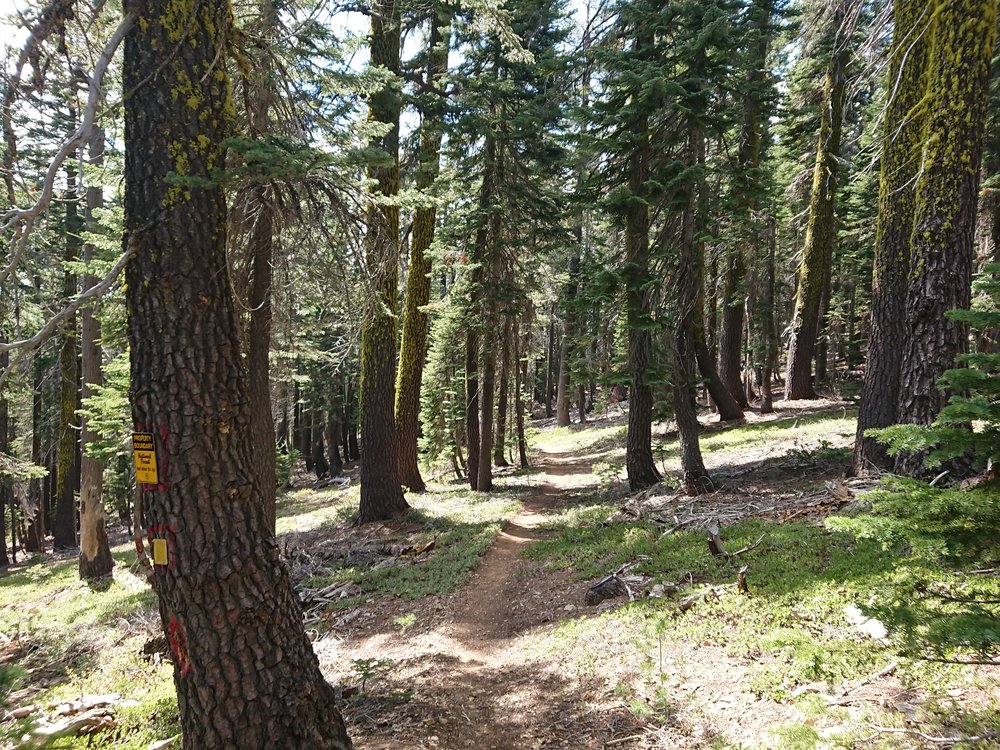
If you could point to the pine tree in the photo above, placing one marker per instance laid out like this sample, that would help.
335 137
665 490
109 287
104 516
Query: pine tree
961 43
900 166
244 670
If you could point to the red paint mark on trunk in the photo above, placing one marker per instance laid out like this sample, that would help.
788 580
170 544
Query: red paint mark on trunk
178 643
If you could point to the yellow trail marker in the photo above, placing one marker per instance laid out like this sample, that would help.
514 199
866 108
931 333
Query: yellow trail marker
160 552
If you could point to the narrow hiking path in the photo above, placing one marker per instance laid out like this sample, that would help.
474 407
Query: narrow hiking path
475 680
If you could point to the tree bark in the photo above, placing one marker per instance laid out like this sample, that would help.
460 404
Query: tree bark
5 493
416 325
748 181
521 370
36 493
817 252
562 387
945 208
472 405
244 670
259 340
486 403
900 164
690 285
549 369
503 397
639 464
64 526
381 492
95 554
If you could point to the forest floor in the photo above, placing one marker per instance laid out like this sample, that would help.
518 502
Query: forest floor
465 624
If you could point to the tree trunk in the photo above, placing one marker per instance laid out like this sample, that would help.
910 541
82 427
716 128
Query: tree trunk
486 404
562 388
244 670
320 465
381 492
900 164
332 434
945 208
503 398
5 493
416 325
639 464
768 351
521 370
352 447
36 493
549 369
817 252
259 341
690 283
95 554
472 405
64 526
306 434
748 182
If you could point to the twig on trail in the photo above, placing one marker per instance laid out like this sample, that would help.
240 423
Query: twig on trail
961 599
750 547
930 737
884 672
965 662
622 740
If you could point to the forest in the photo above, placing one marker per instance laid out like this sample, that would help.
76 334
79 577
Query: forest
500 374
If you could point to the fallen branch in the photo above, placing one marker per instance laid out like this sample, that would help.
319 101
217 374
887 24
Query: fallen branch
932 738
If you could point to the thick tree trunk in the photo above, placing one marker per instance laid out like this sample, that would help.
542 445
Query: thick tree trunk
503 398
244 670
381 492
95 554
817 252
945 208
64 526
900 163
413 347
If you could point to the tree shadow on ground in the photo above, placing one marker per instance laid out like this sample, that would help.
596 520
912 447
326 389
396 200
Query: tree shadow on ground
451 703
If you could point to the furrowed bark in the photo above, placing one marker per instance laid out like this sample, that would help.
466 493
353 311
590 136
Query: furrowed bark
416 325
381 493
900 164
244 670
817 252
945 208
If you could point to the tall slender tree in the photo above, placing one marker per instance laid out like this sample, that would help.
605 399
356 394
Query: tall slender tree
817 249
95 553
381 492
413 346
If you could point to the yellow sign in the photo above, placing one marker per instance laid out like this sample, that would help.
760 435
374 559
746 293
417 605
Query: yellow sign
160 552
144 453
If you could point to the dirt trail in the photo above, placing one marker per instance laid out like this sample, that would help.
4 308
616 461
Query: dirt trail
474 682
